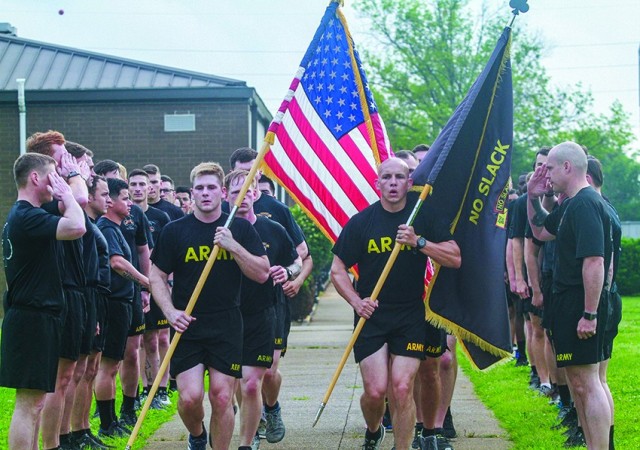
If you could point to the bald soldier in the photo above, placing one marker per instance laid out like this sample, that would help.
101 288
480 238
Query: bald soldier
391 344
582 229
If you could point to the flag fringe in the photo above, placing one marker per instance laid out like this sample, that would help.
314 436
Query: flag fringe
455 329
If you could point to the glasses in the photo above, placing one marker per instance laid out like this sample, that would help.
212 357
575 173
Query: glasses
166 191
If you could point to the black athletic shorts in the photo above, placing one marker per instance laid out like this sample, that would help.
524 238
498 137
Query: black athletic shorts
258 338
523 306
86 344
400 326
568 307
546 281
118 324
280 309
155 319
29 349
613 320
74 324
101 319
511 297
215 341
137 315
435 341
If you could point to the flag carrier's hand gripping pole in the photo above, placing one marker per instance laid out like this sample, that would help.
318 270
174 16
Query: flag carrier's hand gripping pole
374 296
194 296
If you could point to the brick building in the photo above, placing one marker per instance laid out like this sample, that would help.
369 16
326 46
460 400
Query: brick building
128 111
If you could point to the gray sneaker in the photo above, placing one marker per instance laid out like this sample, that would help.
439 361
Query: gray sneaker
428 443
443 443
255 444
275 426
374 444
262 426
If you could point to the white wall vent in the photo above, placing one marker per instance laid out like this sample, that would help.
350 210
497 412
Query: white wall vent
179 122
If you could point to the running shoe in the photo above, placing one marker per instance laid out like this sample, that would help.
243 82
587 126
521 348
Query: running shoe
198 443
448 430
275 426
374 444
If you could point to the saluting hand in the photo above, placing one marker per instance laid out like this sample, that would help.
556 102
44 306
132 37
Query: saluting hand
58 187
68 164
538 184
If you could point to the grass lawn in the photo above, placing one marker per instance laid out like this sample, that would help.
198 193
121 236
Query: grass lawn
528 418
153 420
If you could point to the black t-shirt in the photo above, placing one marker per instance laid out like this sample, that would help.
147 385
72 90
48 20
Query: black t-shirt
256 297
518 221
157 220
30 257
368 239
584 229
135 229
90 253
616 227
71 256
183 249
275 210
104 265
174 212
121 288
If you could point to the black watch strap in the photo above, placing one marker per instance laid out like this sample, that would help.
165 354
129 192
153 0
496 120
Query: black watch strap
289 273
421 243
72 174
589 316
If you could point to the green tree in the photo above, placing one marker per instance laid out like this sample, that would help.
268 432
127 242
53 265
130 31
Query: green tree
425 55
608 137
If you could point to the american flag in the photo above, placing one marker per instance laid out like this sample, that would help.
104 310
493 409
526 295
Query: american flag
328 136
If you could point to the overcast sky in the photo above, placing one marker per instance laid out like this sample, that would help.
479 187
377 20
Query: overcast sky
592 42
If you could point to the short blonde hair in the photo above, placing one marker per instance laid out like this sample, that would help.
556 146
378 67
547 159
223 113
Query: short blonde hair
238 174
207 168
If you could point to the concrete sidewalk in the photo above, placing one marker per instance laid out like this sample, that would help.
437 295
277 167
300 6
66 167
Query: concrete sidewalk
314 352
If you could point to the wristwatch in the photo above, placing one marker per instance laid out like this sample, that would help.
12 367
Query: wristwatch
289 273
589 316
421 243
72 174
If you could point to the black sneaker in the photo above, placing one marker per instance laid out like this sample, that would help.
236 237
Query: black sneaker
198 443
534 381
443 443
522 362
448 430
66 442
575 440
570 420
85 442
96 439
428 443
373 444
128 419
114 431
416 438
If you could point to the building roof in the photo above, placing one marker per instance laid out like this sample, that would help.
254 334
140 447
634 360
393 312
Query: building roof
48 67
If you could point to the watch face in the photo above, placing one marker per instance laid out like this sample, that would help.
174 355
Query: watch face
421 242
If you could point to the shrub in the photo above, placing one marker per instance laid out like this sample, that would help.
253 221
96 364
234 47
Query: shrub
628 276
320 249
